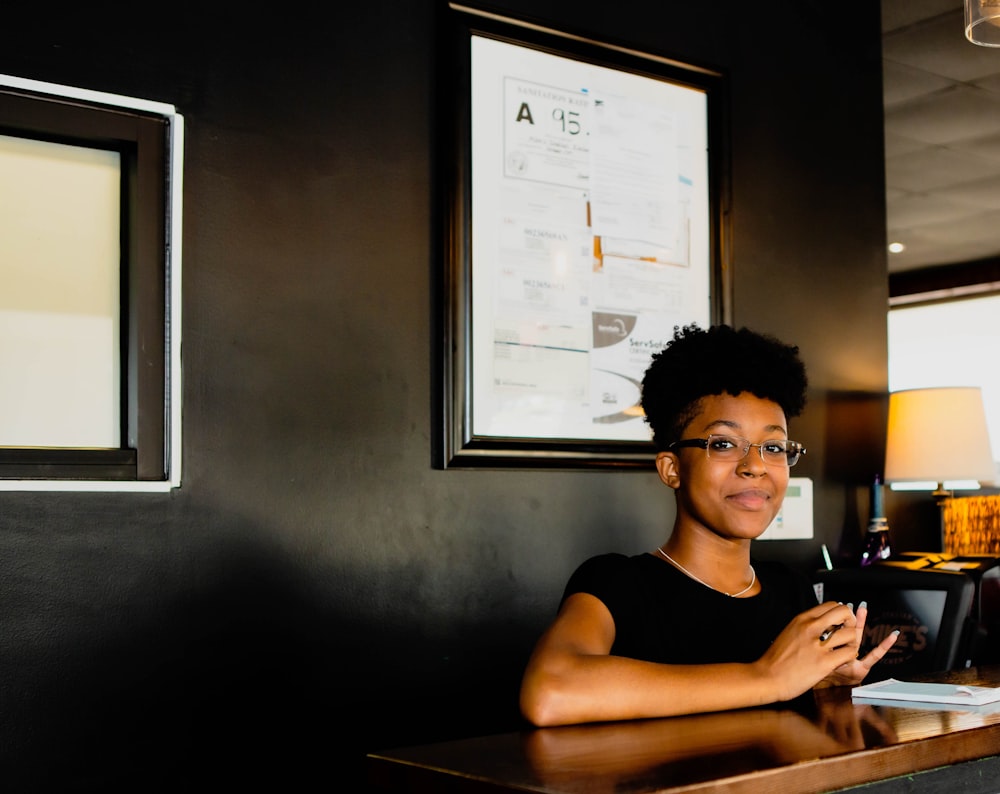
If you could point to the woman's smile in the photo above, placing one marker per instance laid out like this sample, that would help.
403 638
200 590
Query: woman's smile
751 499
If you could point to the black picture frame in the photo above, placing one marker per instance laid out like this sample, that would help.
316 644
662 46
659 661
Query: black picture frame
475 165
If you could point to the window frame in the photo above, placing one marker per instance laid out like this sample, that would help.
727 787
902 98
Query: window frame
149 136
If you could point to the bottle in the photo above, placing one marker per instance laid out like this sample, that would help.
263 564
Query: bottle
877 546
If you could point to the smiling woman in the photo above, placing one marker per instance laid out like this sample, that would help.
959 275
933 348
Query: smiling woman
639 636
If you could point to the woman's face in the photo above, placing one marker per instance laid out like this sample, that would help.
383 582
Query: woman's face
737 499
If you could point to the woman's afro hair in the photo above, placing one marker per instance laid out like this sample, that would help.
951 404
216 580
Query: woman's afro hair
698 363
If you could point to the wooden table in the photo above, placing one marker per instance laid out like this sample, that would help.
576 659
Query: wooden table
835 745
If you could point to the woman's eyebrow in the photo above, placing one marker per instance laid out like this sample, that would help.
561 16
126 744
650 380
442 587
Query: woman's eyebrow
729 423
725 423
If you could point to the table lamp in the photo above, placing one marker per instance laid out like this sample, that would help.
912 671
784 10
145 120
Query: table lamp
938 441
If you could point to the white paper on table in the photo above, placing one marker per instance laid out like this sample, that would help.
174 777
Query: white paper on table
916 692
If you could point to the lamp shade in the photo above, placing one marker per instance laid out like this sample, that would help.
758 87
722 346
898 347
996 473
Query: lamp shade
938 434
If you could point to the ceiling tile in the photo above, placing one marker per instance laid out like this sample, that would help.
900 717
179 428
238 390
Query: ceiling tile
938 46
900 144
956 114
936 167
919 209
988 148
901 83
990 82
982 194
902 13
929 250
942 136
967 230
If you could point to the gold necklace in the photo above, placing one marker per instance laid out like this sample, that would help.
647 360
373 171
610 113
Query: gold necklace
672 561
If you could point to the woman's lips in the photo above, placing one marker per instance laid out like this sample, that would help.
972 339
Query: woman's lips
751 499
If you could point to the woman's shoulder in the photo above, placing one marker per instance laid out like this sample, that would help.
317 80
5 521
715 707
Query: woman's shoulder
612 563
614 559
608 570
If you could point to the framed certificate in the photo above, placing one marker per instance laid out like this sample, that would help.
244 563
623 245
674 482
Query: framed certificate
582 219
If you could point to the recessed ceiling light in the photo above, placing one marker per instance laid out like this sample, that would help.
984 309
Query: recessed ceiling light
895 248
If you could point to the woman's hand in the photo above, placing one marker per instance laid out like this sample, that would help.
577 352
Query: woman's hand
854 671
813 647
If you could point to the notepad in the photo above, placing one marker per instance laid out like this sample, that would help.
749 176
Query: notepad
916 692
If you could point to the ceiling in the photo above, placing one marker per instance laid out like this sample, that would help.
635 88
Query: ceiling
942 136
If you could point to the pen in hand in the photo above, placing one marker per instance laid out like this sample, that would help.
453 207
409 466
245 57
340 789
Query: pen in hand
830 632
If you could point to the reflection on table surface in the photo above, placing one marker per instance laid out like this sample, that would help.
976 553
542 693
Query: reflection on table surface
686 750
662 754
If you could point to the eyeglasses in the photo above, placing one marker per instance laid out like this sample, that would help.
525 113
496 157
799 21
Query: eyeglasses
777 452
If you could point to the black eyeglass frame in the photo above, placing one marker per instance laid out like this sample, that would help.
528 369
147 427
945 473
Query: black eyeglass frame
792 454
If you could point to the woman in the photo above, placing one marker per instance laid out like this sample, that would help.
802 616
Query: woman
695 625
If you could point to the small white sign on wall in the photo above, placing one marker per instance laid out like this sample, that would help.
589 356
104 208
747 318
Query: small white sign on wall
795 519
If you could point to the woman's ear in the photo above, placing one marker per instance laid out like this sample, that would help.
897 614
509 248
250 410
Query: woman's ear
668 467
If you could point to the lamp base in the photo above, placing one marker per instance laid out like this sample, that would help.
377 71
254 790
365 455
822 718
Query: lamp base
941 493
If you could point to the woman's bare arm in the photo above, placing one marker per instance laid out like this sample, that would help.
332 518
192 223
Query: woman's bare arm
571 677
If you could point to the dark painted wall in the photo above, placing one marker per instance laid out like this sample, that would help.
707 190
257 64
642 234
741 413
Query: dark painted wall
314 574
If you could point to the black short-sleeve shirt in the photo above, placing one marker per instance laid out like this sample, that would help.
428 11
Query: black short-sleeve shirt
663 616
